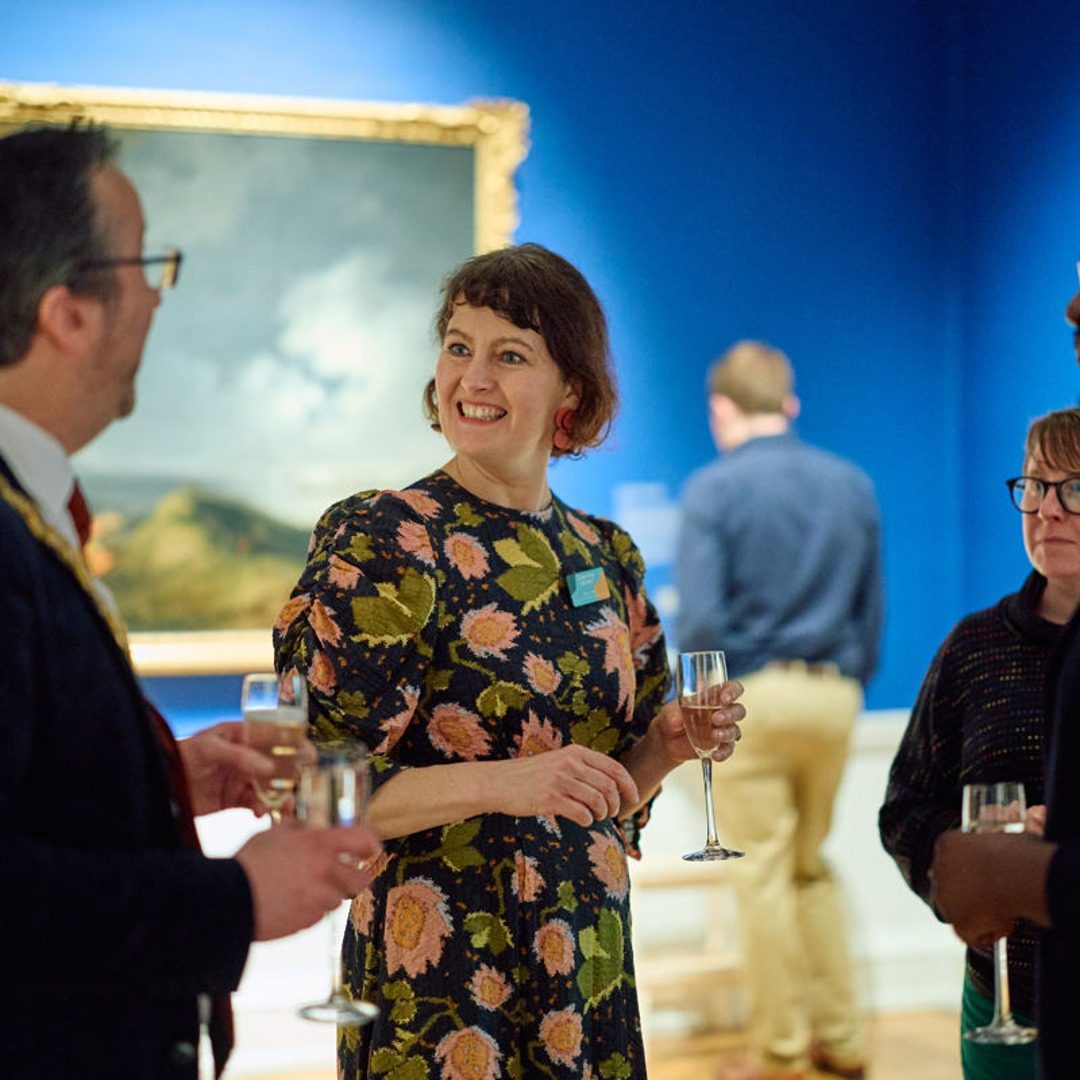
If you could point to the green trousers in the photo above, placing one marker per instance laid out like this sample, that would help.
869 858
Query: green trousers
982 1062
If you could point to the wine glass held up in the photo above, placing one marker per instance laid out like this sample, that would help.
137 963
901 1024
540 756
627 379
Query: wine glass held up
997 807
275 720
333 791
700 682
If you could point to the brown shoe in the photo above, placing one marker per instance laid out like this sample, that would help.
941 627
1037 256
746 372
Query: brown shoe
746 1069
824 1062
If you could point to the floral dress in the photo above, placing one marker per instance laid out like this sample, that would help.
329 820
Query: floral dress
437 628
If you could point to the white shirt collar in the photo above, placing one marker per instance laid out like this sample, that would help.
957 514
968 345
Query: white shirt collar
41 466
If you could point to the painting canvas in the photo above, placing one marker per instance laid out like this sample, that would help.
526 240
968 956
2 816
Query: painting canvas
286 369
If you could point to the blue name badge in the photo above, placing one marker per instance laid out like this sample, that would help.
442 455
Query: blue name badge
588 586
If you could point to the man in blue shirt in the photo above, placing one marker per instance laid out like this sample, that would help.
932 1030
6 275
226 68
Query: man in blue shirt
779 566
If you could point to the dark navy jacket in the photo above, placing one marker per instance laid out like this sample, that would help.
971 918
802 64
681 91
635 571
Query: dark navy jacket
108 926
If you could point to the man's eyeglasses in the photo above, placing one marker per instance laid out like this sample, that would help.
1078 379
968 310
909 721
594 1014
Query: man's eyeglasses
1028 493
163 276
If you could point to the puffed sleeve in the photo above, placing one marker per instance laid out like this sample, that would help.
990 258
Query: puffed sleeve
360 624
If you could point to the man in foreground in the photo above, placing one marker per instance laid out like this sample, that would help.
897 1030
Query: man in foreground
114 923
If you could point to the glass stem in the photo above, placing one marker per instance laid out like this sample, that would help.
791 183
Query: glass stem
336 929
1002 1006
706 775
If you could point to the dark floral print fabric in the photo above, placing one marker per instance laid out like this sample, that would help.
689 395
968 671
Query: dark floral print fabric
436 628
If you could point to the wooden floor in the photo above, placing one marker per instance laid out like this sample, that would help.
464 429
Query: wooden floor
905 1046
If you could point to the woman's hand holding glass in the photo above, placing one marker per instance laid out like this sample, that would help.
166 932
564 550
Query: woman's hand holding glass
723 721
703 690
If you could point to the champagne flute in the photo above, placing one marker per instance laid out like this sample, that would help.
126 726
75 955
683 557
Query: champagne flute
997 808
275 719
700 678
332 792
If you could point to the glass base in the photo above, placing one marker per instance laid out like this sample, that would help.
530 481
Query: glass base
1007 1034
711 853
340 1010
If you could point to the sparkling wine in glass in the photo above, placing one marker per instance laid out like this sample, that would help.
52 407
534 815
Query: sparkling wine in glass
275 721
997 808
700 679
333 791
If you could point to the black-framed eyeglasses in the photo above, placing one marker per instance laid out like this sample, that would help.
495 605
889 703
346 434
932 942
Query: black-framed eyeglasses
1028 493
164 277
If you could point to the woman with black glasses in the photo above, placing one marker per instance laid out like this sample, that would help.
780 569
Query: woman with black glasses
981 718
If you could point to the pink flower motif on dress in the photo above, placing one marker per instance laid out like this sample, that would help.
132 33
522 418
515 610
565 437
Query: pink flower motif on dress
458 733
643 634
468 1054
422 504
321 673
489 631
560 1032
541 674
292 610
321 620
583 529
537 737
527 880
609 864
554 947
610 629
393 726
360 912
413 538
342 574
488 987
467 554
417 925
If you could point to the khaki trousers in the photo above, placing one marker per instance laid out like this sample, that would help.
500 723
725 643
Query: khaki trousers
774 799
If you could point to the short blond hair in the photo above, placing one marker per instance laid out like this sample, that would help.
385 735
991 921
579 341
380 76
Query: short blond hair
757 377
1054 439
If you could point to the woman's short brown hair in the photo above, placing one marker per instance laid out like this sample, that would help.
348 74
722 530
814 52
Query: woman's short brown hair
1054 439
538 290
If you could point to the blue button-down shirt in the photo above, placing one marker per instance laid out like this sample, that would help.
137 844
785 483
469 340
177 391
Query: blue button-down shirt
779 559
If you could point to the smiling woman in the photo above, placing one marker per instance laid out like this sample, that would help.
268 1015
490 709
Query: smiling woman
517 722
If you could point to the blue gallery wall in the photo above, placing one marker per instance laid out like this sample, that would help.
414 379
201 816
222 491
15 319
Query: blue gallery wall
1021 243
788 170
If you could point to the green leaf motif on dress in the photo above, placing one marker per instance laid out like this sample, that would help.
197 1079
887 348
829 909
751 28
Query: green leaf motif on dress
413 1068
572 665
396 1066
615 1067
568 900
513 1066
398 613
456 849
602 947
487 931
466 515
534 574
500 698
359 547
596 732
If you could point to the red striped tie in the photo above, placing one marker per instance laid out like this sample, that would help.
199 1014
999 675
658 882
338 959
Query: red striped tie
80 514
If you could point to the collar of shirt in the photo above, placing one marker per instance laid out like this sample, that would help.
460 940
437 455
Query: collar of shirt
42 467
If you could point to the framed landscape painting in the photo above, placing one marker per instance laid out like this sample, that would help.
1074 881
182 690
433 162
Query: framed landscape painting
286 369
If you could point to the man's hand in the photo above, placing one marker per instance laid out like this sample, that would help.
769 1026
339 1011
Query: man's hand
221 770
297 875
984 882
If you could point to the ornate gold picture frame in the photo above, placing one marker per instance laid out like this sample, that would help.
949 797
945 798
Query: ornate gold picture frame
286 370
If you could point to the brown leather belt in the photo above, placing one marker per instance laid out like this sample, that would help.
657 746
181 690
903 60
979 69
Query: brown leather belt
824 667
